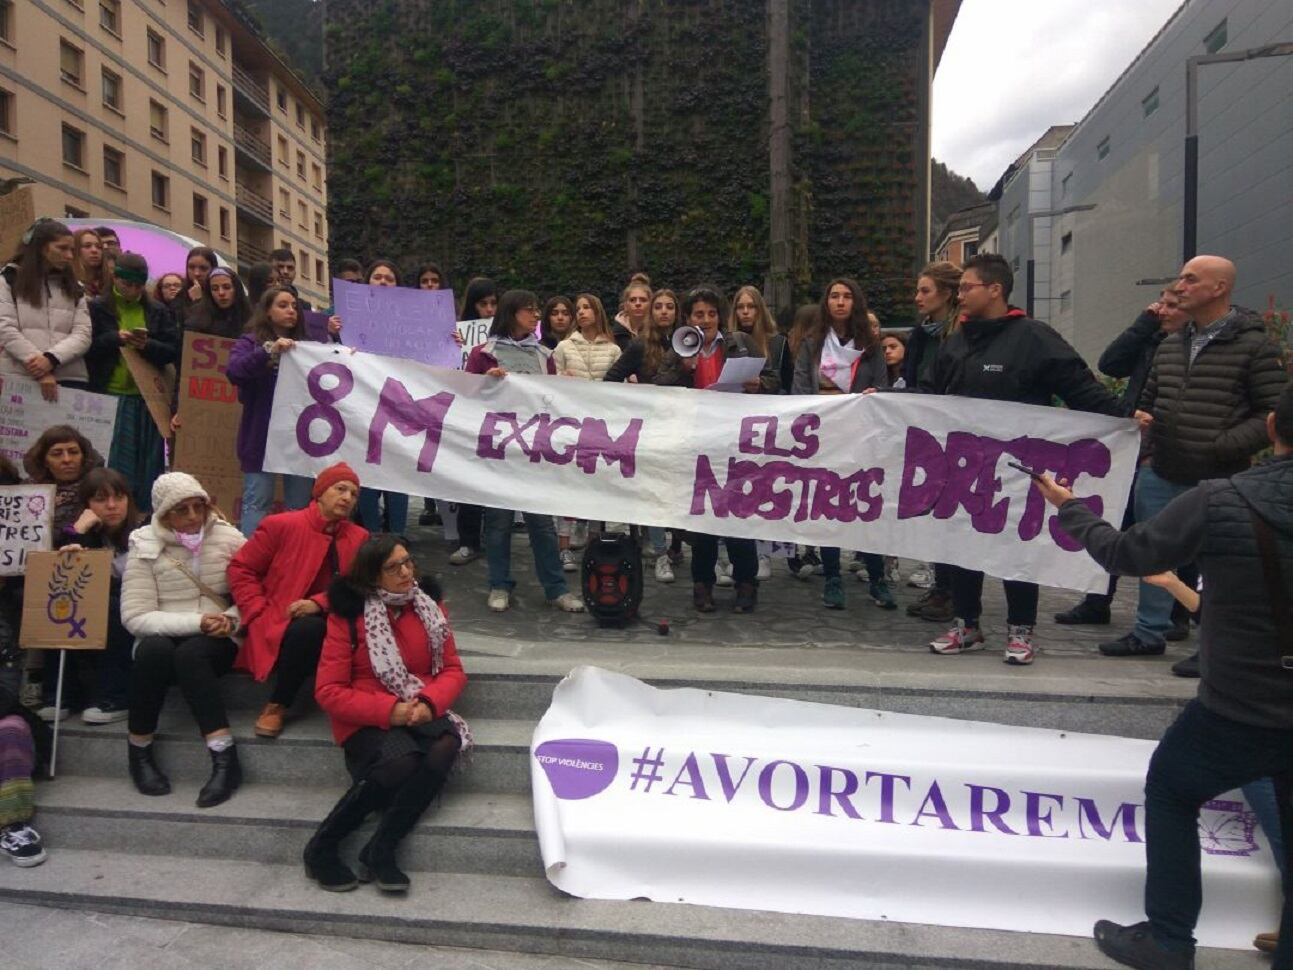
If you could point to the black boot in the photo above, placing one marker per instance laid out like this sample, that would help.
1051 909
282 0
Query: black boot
747 595
226 776
322 864
377 858
1093 611
148 778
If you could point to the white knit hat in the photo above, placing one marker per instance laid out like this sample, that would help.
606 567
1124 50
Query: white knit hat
173 488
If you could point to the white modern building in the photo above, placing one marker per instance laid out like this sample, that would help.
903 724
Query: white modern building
1097 207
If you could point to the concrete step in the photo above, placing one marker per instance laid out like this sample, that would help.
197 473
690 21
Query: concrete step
486 833
527 915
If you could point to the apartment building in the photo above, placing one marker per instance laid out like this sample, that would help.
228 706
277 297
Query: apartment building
173 112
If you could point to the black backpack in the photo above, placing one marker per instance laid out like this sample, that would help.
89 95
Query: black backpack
611 577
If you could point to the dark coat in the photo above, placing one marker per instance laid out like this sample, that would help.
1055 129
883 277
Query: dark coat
922 351
633 363
1017 359
871 370
1210 417
161 348
1239 650
1131 355
672 373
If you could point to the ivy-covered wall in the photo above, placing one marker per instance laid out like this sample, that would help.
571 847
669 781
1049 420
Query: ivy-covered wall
561 144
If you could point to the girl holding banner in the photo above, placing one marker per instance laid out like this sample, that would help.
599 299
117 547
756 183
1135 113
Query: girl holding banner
478 303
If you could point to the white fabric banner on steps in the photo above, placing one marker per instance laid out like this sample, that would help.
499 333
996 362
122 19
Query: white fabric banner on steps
900 474
763 803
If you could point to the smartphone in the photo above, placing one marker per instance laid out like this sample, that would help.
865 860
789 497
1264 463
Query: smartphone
1030 472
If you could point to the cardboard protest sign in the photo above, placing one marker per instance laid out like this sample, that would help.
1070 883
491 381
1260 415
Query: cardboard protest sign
17 212
24 414
206 442
474 333
398 322
65 600
26 520
155 386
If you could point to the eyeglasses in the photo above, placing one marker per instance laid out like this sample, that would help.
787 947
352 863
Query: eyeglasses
394 568
966 287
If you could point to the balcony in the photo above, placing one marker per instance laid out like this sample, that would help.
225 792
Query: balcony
254 205
249 92
253 146
249 252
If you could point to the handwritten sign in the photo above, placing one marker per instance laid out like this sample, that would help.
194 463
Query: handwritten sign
155 386
474 333
26 517
398 322
911 475
66 600
206 442
24 414
17 212
316 326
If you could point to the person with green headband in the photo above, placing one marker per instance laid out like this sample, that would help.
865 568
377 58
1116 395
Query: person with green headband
128 318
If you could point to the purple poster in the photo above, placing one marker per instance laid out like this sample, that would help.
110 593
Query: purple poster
398 322
316 326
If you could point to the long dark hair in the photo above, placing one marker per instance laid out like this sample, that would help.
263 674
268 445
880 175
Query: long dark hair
368 273
102 482
430 267
34 460
505 315
34 273
206 317
365 572
857 328
259 325
478 288
260 277
207 253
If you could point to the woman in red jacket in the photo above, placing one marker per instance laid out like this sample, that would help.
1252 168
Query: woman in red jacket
280 581
388 677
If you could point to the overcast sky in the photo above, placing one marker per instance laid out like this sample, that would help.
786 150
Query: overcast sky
1013 68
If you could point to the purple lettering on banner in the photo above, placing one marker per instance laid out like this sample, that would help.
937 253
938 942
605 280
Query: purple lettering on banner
978 814
935 806
886 793
548 449
485 446
758 436
1035 819
534 438
801 785
322 409
777 490
1085 456
693 779
595 442
922 456
396 406
826 792
973 483
730 788
577 767
1088 811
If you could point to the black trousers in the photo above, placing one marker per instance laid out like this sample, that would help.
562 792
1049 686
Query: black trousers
704 557
298 657
194 663
470 521
967 598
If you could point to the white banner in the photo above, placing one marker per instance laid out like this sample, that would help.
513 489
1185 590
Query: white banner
26 523
900 474
761 803
24 414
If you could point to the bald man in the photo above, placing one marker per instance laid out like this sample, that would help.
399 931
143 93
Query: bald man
1210 388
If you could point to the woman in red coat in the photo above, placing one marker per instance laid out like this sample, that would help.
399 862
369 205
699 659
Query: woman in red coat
280 581
388 677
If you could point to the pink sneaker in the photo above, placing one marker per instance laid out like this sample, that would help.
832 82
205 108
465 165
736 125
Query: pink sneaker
1019 646
959 639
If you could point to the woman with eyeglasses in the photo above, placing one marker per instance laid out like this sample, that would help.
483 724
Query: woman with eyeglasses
388 678
512 348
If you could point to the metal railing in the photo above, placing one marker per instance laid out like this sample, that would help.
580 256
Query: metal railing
249 87
254 202
252 144
249 252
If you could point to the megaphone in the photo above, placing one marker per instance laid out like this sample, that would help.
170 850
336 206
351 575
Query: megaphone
687 341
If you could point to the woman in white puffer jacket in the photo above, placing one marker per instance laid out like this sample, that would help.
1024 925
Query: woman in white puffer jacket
44 319
175 599
590 349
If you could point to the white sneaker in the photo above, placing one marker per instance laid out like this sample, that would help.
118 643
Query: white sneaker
578 534
22 844
664 570
892 574
922 577
723 574
567 603
765 567
568 564
49 714
464 555
856 565
499 600
104 714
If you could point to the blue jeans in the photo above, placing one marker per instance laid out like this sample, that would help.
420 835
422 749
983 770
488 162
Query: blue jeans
258 496
1154 613
543 543
658 538
831 564
370 513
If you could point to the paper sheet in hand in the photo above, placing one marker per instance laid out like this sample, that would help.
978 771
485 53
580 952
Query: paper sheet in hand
736 371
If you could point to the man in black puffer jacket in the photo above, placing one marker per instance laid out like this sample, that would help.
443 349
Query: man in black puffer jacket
1210 389
1240 728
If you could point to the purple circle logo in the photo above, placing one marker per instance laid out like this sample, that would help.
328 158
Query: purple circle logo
578 768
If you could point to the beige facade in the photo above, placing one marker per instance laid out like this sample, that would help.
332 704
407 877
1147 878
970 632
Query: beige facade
165 111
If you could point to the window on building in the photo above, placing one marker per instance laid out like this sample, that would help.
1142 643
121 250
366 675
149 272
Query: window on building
73 147
300 116
197 22
314 128
300 165
284 204
72 212
114 167
318 270
1102 149
222 161
1216 38
110 16
1066 301
1149 103
198 146
224 223
161 191
221 44
1064 185
222 100
282 151
6 21
199 210
969 249
302 214
6 112
1066 243
303 261
111 90
282 99
156 50
197 82
158 125
318 224
71 63
316 176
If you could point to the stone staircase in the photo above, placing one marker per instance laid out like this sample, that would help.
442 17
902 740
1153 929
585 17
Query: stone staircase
478 879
